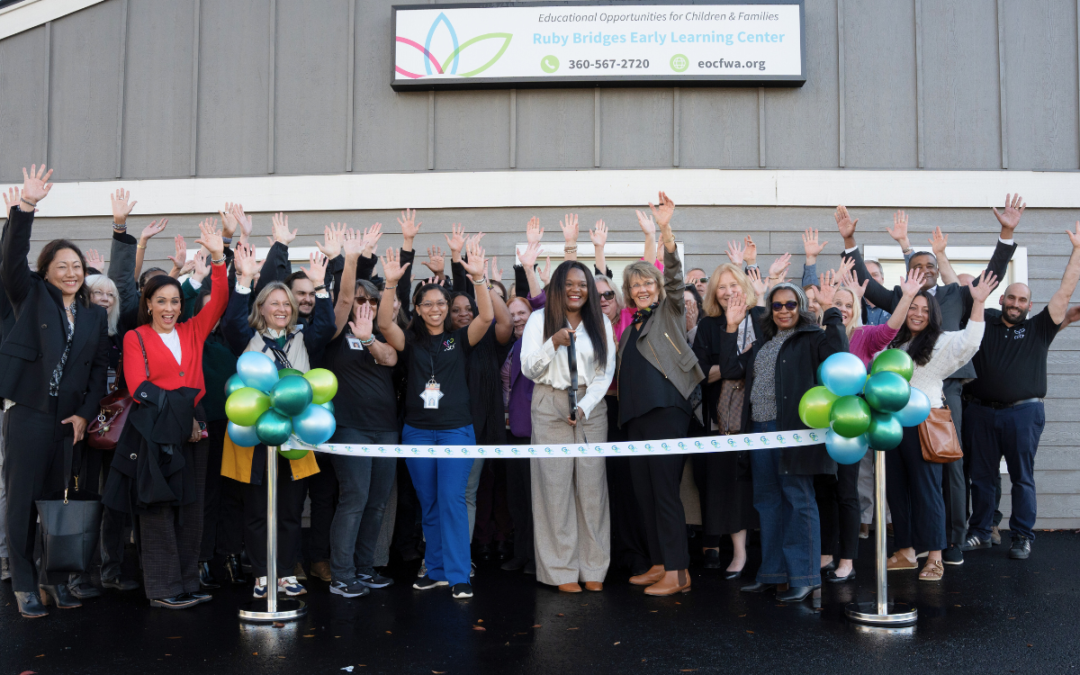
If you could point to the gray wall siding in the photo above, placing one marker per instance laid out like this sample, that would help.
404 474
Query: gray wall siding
23 118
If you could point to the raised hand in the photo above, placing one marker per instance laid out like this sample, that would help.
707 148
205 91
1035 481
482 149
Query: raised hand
545 274
242 219
533 231
474 266
436 262
496 273
36 184
244 262
11 198
736 252
646 223
779 267
361 326
280 230
353 244
210 238
988 281
229 223
371 238
911 284
154 228
844 223
811 246
330 246
598 235
736 311
393 270
663 211
201 261
1014 208
938 242
750 252
121 206
529 255
569 227
754 275
94 259
1074 237
180 246
851 282
829 282
409 226
456 240
316 269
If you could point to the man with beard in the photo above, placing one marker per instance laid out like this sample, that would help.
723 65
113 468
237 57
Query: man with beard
1004 414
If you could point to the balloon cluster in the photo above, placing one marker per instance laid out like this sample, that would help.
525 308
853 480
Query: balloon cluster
864 411
267 405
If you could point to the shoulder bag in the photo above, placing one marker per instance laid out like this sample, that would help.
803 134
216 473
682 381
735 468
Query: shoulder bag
937 436
104 431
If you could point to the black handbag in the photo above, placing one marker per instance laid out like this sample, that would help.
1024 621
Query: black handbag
70 524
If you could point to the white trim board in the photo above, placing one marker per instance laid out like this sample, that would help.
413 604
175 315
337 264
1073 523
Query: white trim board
29 14
598 187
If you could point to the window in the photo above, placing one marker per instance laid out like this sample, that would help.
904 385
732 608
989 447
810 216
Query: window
965 260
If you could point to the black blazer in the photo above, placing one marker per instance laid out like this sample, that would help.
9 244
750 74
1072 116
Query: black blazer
955 300
796 370
35 343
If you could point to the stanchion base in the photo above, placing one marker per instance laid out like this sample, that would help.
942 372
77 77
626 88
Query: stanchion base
900 614
288 609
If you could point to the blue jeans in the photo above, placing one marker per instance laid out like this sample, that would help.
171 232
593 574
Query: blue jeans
913 488
790 528
440 486
364 485
988 434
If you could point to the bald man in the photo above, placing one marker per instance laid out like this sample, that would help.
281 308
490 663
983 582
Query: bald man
1004 414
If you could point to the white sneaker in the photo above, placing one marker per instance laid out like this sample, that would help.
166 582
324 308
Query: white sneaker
291 586
260 588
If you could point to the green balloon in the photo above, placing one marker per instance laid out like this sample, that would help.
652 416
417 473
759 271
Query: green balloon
885 432
285 372
244 406
323 385
887 392
893 361
294 453
850 416
291 395
273 428
814 407
329 405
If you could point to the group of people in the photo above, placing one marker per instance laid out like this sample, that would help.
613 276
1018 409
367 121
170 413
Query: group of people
561 356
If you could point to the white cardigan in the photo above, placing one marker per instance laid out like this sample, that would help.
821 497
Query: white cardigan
953 349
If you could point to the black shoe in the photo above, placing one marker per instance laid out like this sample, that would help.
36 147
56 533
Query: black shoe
5 570
199 598
60 596
373 579
425 582
207 580
730 575
828 568
485 552
504 550
712 559
118 584
1021 549
530 567
831 577
85 591
182 601
352 588
797 594
514 564
462 591
29 605
757 587
952 555
973 543
235 570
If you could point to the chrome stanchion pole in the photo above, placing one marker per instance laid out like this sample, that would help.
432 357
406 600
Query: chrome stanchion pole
289 609
881 612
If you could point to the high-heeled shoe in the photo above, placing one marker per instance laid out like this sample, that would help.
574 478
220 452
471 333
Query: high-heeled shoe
797 594
59 595
832 578
29 605
828 568
235 570
206 579
729 574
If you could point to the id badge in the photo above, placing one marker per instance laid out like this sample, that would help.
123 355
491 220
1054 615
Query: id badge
432 394
354 342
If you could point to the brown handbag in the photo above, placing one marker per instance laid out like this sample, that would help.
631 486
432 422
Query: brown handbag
937 436
729 407
104 431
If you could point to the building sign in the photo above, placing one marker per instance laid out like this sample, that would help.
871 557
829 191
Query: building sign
564 45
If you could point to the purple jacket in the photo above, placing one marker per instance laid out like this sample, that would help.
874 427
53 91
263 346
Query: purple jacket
521 387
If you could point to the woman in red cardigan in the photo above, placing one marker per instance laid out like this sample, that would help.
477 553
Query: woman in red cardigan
171 534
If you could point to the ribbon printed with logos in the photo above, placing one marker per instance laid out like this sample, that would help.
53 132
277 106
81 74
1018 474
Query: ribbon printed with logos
674 446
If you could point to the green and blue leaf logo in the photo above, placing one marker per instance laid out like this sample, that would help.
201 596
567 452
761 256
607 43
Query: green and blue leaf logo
464 56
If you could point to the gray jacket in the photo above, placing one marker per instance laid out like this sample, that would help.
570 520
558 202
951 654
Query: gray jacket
662 340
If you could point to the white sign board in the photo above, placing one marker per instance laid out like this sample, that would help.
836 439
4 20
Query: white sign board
546 45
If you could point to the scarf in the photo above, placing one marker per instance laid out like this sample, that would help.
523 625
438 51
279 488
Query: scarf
642 315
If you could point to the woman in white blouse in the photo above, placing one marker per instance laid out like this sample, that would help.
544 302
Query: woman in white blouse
913 485
572 526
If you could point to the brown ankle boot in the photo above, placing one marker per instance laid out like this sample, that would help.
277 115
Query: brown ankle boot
655 573
673 582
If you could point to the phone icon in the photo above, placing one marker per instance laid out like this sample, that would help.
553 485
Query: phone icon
549 64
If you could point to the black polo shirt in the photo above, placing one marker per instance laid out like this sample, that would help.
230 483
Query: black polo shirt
1011 362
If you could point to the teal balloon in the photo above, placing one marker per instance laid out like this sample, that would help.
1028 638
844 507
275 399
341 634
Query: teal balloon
845 450
273 428
818 377
315 425
843 373
885 432
849 416
329 405
916 411
291 395
245 437
245 405
257 370
285 372
893 361
887 392
232 384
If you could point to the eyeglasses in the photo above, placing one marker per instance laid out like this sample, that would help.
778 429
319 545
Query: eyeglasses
608 295
700 280
102 294
441 304
790 306
648 283
374 302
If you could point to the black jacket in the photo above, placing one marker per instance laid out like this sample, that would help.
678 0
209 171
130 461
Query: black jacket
708 344
796 369
35 342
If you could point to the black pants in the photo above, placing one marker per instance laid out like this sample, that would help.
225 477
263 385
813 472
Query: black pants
408 531
727 498
519 501
954 485
220 510
629 545
913 487
838 507
33 469
170 537
656 483
323 490
290 509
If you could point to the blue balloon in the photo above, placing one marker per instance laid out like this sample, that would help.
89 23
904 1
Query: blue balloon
844 374
245 437
916 411
257 370
232 384
329 405
845 450
315 425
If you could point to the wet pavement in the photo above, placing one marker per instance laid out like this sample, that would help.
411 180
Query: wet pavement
990 615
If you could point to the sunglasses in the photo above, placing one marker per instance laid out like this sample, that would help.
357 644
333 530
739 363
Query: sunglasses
608 295
374 302
790 306
700 280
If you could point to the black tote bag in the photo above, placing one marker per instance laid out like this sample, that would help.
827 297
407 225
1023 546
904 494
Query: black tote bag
70 524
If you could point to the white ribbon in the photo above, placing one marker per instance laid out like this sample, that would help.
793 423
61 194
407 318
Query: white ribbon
671 446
